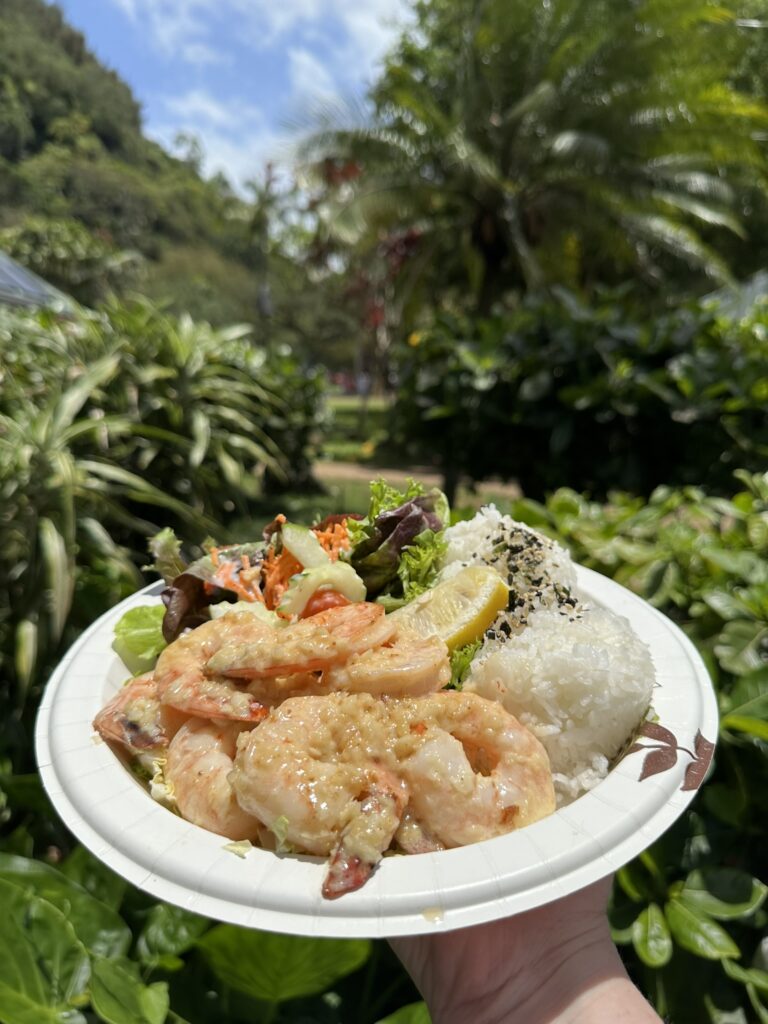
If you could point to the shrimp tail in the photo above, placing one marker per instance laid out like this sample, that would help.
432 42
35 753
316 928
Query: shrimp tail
346 872
366 837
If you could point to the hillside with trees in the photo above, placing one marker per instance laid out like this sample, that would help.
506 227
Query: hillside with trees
94 206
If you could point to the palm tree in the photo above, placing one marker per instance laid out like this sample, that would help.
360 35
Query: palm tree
536 142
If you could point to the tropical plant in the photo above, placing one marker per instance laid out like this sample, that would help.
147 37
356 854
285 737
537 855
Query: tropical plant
71 258
80 945
512 146
558 392
112 426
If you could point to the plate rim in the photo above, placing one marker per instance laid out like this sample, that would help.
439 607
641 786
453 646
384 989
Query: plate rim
452 903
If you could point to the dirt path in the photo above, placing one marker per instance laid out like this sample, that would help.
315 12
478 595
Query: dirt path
335 472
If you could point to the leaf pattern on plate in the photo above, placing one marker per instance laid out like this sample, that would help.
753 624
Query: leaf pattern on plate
662 755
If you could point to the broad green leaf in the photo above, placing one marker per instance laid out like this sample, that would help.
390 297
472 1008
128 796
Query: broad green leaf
201 433
169 931
119 996
85 870
25 652
414 1013
716 1015
742 723
278 967
699 934
757 1004
635 882
747 975
44 968
747 565
739 646
59 570
726 605
74 398
723 893
749 697
651 938
99 928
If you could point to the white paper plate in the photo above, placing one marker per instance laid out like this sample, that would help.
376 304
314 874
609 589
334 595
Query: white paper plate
107 809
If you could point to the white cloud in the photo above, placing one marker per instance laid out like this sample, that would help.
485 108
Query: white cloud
199 107
201 54
308 75
330 49
234 134
180 27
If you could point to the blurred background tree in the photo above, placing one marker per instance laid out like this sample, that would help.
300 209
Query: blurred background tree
511 147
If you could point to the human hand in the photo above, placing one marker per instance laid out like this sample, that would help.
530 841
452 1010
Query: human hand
552 965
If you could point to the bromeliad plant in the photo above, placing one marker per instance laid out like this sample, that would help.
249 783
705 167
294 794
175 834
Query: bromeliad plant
697 893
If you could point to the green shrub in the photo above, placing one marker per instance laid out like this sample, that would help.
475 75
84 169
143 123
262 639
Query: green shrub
72 259
556 393
112 426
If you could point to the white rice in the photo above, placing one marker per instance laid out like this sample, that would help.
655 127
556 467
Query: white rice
539 572
576 675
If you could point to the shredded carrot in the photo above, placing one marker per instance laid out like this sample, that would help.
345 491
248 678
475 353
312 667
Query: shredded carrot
277 570
239 580
334 538
229 577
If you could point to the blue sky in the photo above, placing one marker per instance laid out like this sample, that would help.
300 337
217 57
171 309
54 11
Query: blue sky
237 72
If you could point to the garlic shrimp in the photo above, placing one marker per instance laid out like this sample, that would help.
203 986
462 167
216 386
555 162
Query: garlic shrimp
136 719
473 771
184 682
310 645
409 666
197 769
321 767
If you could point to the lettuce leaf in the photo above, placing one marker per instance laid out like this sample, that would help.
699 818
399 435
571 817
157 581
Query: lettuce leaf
165 548
420 563
394 521
206 582
461 659
139 638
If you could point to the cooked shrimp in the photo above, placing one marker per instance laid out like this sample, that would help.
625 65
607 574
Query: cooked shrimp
273 690
184 682
410 667
310 645
197 773
472 769
319 765
136 719
413 837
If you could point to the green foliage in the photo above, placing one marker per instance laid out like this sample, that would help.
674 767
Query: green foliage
111 427
697 893
71 258
559 393
87 201
59 957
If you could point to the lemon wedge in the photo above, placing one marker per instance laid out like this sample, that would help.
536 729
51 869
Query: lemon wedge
460 609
